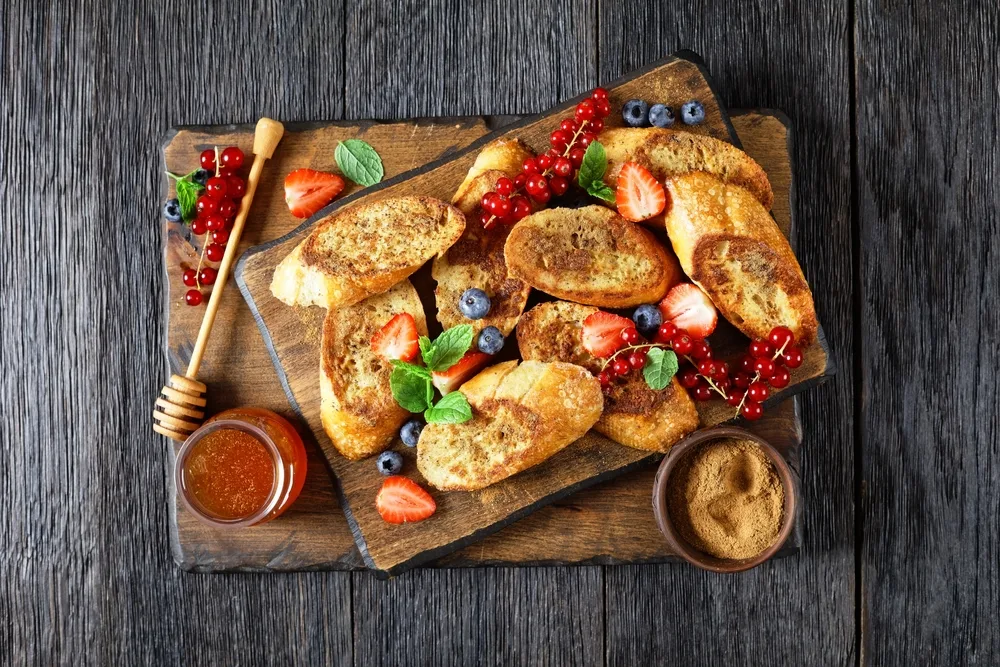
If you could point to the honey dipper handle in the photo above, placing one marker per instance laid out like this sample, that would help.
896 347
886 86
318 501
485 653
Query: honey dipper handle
265 140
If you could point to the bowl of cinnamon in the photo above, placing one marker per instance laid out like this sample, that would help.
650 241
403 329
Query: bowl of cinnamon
724 499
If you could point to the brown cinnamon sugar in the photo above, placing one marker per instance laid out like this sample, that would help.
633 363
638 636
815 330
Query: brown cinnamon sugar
725 498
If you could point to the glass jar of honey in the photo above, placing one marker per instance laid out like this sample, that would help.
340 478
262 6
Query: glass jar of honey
243 467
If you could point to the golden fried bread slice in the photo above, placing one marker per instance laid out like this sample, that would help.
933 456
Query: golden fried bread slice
634 415
522 415
731 247
476 259
671 152
590 255
364 250
357 409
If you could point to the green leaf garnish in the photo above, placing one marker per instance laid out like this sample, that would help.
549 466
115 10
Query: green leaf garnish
601 190
411 368
661 366
425 347
453 408
448 348
187 196
409 388
359 162
595 163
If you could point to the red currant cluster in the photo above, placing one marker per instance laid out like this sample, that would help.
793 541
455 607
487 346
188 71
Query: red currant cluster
216 209
551 173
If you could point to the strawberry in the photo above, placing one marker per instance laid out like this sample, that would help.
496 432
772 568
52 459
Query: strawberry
398 339
451 379
308 190
401 500
690 309
639 195
602 333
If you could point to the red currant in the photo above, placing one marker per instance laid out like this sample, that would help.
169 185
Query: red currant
232 157
621 366
521 206
569 125
227 209
559 185
599 94
724 383
190 277
504 186
207 159
746 364
214 252
603 108
760 349
486 219
585 110
779 336
637 359
780 378
666 332
236 187
604 378
215 187
193 297
702 392
206 204
529 166
688 378
585 139
765 367
220 236
681 343
562 166
560 140
207 275
758 391
545 161
596 125
742 379
543 195
751 410
576 155
535 184
198 226
700 349
502 207
734 397
721 371
792 356
520 180
214 221
630 336
706 367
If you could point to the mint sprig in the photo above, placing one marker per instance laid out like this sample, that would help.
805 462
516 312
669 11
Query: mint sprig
661 366
591 176
187 194
453 408
412 385
448 348
359 162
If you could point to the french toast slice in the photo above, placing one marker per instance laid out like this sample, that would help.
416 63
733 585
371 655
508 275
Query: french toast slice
357 409
590 255
634 415
731 247
476 259
364 250
668 153
522 414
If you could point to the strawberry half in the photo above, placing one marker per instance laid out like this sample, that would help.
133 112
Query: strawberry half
398 339
690 309
639 195
602 333
451 379
401 500
308 190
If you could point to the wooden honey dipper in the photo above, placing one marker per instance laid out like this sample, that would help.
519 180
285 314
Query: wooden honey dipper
180 407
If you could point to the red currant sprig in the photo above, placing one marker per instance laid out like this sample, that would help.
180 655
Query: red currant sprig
550 173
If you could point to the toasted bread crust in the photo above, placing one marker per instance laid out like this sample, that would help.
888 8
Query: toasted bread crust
634 415
590 255
365 250
522 415
731 247
358 411
668 153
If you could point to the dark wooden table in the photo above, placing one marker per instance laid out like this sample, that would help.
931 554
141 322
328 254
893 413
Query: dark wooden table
898 151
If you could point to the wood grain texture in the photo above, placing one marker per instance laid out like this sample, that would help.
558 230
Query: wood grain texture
929 223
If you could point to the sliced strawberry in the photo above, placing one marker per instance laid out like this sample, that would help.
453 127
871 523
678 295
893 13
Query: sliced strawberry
451 379
308 190
602 333
401 500
690 309
639 196
398 339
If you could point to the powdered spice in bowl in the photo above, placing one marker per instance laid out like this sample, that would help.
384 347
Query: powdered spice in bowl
724 499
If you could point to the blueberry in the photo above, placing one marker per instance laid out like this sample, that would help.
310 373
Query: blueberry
660 115
390 463
201 177
172 210
636 113
692 112
490 340
410 433
474 303
647 319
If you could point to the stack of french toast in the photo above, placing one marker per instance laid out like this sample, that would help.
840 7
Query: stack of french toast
715 231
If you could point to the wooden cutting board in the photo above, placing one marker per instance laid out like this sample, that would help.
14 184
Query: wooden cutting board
463 518
609 523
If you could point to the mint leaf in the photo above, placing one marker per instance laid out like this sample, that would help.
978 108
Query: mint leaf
409 388
601 190
660 368
413 369
359 162
425 347
453 408
187 196
594 164
449 347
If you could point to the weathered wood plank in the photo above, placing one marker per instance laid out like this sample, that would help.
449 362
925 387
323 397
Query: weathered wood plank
928 169
756 57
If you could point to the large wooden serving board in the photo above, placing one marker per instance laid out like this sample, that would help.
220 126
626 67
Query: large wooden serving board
609 523
463 518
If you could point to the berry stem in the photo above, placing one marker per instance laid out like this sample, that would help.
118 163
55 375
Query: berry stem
710 381
218 162
629 348
746 392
